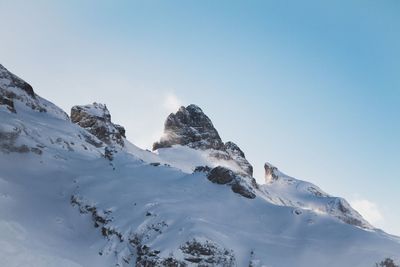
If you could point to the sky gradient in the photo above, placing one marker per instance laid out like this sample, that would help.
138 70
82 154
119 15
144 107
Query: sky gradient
312 87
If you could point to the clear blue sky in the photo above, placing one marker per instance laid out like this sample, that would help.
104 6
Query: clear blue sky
311 86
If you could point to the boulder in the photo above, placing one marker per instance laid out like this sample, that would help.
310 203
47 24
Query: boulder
221 175
242 185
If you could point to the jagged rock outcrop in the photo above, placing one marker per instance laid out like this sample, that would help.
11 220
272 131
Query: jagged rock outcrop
271 172
238 155
14 91
17 96
189 126
10 80
96 119
241 185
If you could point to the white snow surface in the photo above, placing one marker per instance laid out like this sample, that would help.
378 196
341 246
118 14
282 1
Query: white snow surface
165 205
288 191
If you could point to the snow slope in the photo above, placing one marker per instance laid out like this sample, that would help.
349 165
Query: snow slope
63 203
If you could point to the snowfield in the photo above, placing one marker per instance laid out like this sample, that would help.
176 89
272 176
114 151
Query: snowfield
68 198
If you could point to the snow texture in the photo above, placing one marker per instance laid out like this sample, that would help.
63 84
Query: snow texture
64 203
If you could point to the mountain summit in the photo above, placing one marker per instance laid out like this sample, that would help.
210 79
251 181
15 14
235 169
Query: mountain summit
190 127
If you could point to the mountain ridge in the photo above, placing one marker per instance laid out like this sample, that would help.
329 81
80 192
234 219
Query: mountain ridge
74 205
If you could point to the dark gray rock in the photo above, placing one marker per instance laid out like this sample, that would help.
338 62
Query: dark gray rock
221 175
15 81
8 102
189 127
96 119
242 185
207 253
233 149
388 262
109 153
205 169
243 190
13 88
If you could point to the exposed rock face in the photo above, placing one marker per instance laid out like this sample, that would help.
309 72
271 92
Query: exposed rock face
10 80
8 102
195 252
237 154
207 254
16 95
13 89
239 184
221 175
97 120
270 172
189 126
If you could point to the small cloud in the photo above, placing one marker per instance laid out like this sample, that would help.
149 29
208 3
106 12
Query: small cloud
369 210
172 103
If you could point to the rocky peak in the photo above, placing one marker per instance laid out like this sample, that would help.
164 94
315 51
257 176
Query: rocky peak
189 126
9 81
271 172
15 93
97 120
13 88
244 186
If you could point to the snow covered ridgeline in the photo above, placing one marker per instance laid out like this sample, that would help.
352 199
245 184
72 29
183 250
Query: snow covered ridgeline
71 205
281 189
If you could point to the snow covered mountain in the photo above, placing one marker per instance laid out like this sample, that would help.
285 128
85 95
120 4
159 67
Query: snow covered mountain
75 192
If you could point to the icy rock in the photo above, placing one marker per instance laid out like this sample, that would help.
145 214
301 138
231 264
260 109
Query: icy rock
189 126
97 120
13 89
11 80
270 172
238 155
240 185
